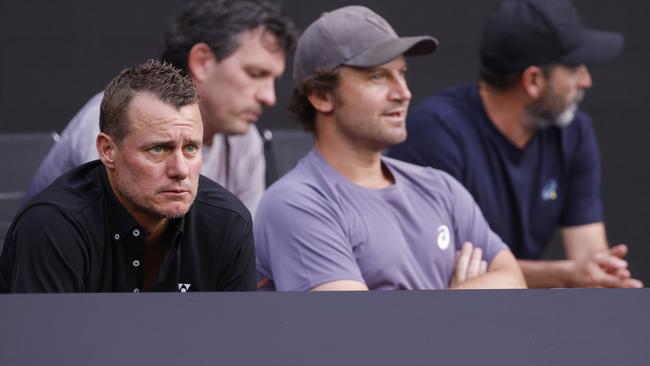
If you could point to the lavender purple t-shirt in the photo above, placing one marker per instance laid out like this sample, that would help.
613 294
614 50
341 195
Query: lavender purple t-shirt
314 226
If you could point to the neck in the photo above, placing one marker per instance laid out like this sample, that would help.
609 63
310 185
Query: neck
209 129
156 232
359 163
507 111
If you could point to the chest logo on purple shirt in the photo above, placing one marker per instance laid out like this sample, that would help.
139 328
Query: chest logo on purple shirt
444 237
549 192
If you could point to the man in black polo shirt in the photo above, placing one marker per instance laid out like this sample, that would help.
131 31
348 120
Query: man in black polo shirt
141 218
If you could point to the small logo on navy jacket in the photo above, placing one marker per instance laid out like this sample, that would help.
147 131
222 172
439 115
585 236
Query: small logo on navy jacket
549 192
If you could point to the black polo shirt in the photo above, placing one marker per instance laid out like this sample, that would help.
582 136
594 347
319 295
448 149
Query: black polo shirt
76 237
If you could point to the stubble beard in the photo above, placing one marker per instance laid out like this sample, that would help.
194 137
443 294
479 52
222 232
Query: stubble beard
544 115
142 204
374 134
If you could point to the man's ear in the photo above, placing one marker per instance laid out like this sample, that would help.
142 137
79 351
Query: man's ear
200 61
106 149
323 102
533 81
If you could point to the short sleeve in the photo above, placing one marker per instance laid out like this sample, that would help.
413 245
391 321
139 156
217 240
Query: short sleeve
239 274
584 204
44 252
301 240
470 224
249 165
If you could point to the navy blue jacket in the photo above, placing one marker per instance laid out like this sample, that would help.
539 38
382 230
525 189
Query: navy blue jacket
525 194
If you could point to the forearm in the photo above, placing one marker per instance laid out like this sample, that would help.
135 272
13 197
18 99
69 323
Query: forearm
503 273
341 285
579 242
602 269
546 274
494 280
584 240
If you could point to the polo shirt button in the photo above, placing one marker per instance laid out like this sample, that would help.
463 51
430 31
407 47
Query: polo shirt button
136 263
136 290
136 233
117 236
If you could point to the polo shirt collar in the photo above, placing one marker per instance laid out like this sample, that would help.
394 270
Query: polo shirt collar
120 221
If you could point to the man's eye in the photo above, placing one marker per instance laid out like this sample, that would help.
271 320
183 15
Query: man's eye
256 74
191 148
157 149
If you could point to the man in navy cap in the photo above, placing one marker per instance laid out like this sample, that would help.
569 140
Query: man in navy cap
518 143
347 218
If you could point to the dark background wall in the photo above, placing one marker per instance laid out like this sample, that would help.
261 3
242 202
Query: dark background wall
55 55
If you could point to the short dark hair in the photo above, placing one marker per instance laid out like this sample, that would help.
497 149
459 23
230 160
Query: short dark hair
499 81
158 78
505 81
219 24
300 108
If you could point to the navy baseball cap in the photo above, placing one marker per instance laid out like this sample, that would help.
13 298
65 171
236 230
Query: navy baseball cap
353 36
521 33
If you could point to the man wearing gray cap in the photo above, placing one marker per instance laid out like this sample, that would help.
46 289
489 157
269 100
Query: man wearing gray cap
518 143
348 219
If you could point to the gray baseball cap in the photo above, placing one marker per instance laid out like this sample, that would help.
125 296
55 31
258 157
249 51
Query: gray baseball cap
353 36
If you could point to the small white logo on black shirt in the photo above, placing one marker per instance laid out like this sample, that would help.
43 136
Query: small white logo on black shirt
183 287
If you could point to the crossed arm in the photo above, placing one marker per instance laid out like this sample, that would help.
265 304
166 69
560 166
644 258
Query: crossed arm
470 272
589 263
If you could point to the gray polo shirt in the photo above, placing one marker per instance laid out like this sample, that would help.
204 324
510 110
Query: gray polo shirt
314 226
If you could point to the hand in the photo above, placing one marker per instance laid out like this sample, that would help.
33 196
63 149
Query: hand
603 269
469 264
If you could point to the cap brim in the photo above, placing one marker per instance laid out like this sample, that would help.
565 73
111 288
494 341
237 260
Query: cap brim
598 46
390 49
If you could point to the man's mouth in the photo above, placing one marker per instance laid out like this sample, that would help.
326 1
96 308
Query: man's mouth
175 190
252 116
395 114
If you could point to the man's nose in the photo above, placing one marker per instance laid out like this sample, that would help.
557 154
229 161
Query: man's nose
584 77
400 90
178 166
266 93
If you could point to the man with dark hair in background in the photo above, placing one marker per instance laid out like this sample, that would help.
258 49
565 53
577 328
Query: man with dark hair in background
347 219
233 51
518 143
141 219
